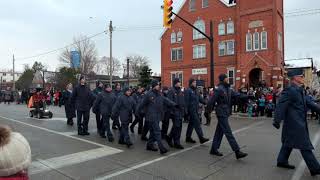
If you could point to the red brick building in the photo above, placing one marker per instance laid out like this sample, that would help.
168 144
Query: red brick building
248 43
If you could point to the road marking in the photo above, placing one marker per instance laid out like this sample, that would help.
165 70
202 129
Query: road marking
300 170
60 133
48 119
40 166
170 155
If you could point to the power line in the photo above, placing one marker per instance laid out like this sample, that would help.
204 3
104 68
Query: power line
301 11
59 49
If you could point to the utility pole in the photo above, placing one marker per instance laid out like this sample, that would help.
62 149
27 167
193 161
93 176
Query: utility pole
14 79
128 79
111 69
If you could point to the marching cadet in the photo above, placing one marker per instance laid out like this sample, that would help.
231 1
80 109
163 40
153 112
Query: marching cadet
192 100
154 103
104 103
167 116
176 95
222 97
124 107
292 110
117 93
96 92
138 96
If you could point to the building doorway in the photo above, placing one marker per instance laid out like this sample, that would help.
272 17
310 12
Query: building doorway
255 77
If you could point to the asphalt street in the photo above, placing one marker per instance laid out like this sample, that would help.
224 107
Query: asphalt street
58 153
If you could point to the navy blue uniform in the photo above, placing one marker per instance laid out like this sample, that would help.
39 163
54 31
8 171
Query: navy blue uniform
139 119
96 93
116 122
83 99
104 103
292 110
68 106
153 103
177 96
222 100
124 107
192 100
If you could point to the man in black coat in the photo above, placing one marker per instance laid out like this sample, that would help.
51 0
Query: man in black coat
176 95
83 99
104 103
153 103
96 92
192 100
222 102
124 107
292 110
68 106
117 93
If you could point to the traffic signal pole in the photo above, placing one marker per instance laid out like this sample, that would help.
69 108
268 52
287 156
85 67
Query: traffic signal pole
210 38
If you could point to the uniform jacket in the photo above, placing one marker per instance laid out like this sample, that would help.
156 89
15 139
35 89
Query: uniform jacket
192 100
138 97
222 100
69 107
104 103
124 107
82 98
153 103
292 110
177 96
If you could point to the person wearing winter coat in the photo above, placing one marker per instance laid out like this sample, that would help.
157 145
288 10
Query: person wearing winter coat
124 108
96 92
15 155
104 103
68 106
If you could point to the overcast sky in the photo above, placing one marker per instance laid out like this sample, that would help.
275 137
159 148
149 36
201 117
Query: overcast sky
31 27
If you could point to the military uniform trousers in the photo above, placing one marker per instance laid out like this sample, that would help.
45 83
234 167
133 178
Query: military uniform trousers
223 128
155 134
105 126
83 123
194 123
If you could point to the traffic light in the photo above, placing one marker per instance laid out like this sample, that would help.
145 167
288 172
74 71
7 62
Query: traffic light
167 13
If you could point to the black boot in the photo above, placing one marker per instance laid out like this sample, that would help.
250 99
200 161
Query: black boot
144 138
129 144
315 173
169 141
110 139
164 151
190 140
178 146
216 153
240 154
151 148
285 165
203 140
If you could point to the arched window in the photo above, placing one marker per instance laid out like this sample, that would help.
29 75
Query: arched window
179 36
230 27
173 37
201 26
256 41
192 5
264 40
221 29
249 42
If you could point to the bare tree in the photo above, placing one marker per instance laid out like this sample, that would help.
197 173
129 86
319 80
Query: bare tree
88 54
136 63
103 66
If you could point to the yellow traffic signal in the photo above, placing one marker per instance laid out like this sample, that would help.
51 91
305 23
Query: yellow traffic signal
167 13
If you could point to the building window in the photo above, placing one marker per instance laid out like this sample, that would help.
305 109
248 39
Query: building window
280 41
256 41
173 37
176 75
230 27
264 40
4 74
222 48
230 47
199 51
201 26
4 80
176 54
192 5
222 29
249 41
179 36
231 76
205 3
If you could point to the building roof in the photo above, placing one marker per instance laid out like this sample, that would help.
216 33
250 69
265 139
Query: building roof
298 63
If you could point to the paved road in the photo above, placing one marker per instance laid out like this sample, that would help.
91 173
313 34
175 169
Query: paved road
58 153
